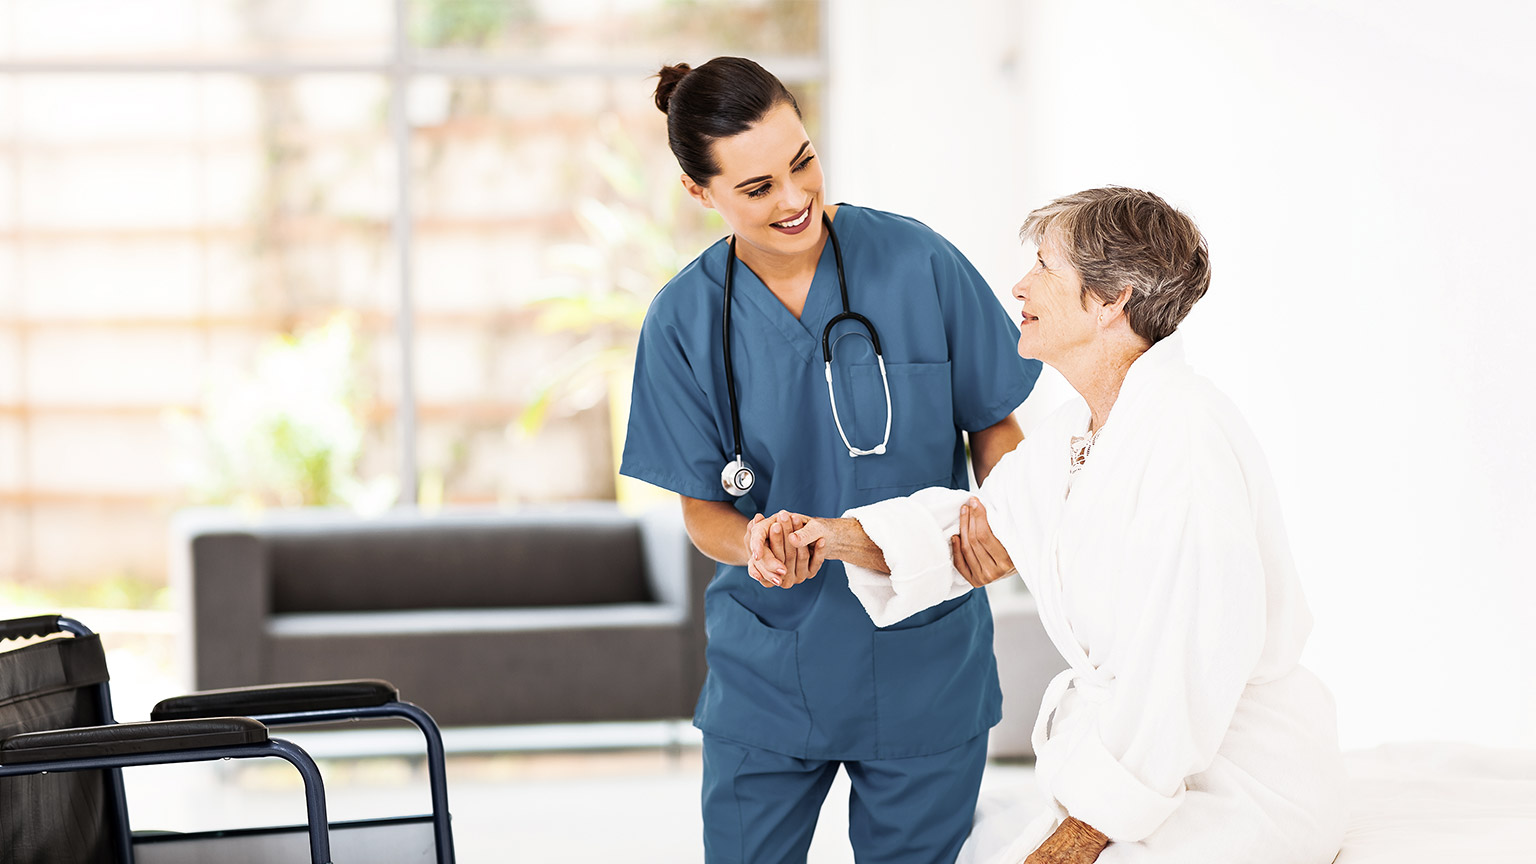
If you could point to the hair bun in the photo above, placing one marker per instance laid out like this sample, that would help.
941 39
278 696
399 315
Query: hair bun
670 77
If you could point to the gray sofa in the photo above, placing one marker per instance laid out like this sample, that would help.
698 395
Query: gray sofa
553 615
1026 663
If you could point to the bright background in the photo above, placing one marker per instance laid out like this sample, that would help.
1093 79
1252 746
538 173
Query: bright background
1364 174
246 258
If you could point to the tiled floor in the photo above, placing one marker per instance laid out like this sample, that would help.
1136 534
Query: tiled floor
637 805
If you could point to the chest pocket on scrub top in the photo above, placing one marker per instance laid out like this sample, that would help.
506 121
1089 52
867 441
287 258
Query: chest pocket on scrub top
922 447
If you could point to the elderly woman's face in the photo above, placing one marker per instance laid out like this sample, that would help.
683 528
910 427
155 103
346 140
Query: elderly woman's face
1053 323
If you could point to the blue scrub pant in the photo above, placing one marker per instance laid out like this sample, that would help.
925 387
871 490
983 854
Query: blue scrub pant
760 807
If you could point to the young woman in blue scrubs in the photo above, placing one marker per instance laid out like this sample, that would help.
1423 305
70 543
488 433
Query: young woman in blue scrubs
800 681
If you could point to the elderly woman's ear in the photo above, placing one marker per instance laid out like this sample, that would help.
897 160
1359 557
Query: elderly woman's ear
1109 311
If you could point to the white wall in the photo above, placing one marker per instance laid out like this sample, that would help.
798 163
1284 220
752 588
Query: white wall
1363 172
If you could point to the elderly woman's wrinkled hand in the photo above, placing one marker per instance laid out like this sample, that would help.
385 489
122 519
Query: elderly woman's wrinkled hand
774 562
1074 842
977 553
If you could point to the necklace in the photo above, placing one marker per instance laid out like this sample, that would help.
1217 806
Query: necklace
1081 444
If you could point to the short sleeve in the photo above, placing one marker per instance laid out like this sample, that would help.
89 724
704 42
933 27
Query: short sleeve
672 440
989 378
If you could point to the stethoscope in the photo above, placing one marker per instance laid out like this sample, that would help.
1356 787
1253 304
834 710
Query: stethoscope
736 477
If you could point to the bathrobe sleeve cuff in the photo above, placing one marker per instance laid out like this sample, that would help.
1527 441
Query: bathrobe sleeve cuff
915 543
1094 787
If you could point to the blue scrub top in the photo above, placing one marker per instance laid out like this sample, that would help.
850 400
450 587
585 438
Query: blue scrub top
803 671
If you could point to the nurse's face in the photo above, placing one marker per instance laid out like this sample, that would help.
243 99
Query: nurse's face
769 187
1053 322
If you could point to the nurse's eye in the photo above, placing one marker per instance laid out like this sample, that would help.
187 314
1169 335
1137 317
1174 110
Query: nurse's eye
804 162
760 191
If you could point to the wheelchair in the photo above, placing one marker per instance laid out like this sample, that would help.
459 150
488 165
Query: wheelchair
62 755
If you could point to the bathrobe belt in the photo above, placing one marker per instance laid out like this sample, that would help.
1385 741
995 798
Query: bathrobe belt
1092 685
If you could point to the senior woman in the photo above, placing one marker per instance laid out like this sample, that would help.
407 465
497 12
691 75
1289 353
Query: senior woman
1144 521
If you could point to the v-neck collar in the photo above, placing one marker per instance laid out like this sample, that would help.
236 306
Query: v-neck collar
803 333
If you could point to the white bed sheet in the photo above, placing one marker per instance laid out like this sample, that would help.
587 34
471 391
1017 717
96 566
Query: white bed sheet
1438 803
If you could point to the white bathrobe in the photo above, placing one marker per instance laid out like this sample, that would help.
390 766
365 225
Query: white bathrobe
1184 729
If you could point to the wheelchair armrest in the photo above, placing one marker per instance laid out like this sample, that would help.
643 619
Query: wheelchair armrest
278 699
121 739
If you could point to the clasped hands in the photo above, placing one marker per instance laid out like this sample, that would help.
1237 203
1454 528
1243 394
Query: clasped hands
787 548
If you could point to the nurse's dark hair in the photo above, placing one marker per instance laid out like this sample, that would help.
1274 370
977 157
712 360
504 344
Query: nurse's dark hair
722 98
1116 237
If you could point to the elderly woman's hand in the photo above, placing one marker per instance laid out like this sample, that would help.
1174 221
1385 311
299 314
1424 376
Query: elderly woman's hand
1075 842
978 554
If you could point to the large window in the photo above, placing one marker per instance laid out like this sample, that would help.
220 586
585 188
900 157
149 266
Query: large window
359 253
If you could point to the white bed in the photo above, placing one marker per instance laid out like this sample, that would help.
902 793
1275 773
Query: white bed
1413 803
1441 803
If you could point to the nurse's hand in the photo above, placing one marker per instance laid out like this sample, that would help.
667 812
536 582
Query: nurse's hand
767 572
977 553
776 560
772 561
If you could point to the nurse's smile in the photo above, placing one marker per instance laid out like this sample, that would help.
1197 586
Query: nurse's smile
795 224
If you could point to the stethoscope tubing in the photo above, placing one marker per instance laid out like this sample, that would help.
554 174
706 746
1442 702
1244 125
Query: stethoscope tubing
826 352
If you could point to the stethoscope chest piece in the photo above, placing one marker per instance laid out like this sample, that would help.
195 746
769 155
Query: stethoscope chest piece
737 478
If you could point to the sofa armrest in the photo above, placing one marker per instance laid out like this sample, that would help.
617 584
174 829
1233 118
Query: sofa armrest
1027 660
666 547
679 574
226 594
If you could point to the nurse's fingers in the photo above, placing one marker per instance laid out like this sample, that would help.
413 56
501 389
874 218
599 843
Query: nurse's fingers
957 555
967 563
757 531
981 530
977 535
761 576
776 547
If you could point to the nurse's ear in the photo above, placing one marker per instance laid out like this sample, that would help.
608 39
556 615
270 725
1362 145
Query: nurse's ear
697 192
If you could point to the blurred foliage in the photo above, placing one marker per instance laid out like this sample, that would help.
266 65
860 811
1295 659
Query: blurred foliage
115 591
469 23
639 232
704 28
289 434
752 29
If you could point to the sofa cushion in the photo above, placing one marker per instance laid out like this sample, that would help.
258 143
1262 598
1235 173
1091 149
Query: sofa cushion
457 566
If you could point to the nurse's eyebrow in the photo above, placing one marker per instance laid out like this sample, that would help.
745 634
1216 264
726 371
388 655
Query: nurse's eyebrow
750 180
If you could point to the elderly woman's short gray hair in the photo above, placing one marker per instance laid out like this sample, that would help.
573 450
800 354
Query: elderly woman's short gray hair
1116 237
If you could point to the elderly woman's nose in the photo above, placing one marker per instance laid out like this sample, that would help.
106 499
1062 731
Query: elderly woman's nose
1018 288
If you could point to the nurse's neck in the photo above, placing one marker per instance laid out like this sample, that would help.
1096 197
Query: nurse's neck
788 276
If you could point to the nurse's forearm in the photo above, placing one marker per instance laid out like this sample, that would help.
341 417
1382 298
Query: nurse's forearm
846 541
717 528
993 443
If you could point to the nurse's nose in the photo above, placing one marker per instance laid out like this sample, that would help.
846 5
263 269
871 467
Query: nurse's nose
791 198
